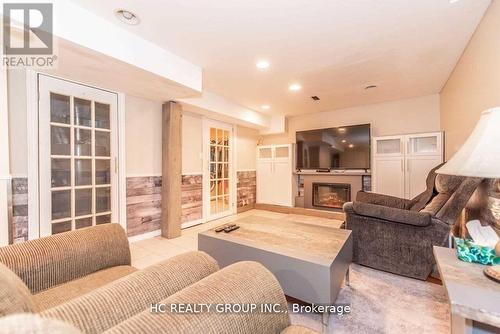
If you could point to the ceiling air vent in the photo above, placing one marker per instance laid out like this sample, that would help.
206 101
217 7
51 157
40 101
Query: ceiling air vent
315 98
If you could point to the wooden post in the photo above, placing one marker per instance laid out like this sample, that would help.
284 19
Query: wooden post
171 170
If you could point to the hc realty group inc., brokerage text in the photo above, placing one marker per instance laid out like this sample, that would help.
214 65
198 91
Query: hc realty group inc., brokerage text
194 308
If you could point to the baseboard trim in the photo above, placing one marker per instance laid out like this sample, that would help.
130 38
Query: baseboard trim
245 208
301 211
147 235
192 223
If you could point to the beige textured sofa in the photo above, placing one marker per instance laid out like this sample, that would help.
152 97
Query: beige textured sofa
83 282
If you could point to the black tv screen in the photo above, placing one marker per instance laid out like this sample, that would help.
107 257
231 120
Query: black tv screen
345 147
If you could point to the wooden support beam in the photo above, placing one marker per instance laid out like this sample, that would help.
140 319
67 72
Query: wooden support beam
171 170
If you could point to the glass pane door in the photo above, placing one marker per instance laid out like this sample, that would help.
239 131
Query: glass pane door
388 146
77 167
219 167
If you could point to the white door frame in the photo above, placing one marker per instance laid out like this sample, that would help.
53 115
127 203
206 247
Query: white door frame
5 177
33 163
207 123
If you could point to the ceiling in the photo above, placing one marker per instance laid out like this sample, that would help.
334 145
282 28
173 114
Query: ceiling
333 48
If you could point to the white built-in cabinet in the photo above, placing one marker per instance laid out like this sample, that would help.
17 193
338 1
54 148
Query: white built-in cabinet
401 163
274 174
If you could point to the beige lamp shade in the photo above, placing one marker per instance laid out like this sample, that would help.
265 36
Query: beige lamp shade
480 155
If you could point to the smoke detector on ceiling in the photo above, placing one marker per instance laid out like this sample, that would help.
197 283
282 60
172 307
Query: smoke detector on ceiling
127 17
315 98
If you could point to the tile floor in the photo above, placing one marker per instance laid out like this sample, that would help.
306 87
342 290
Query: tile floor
149 251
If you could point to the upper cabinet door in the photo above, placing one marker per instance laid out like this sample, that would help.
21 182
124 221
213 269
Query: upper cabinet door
282 152
388 146
425 144
265 153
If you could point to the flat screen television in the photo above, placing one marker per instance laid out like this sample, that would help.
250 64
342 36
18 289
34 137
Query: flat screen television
345 147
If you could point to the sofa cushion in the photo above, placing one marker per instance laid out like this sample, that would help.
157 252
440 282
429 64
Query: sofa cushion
436 204
70 290
420 201
448 183
15 297
109 305
29 323
46 262
392 214
242 283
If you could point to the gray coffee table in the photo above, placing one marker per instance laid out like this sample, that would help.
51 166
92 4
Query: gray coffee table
309 261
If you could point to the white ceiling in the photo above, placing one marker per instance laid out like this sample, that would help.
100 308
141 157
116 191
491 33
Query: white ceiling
333 48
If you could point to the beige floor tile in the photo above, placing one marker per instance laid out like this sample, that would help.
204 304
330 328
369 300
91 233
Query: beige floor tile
137 252
146 261
189 242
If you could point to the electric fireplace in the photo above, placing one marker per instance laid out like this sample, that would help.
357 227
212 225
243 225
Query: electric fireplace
330 195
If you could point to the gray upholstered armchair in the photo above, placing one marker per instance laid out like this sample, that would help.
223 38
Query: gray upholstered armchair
396 234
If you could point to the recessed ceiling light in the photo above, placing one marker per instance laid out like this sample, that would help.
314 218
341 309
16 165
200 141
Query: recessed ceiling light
266 107
341 129
343 140
295 87
127 17
351 145
453 1
262 64
370 87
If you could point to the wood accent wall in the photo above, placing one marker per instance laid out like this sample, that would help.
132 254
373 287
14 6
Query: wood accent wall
19 227
246 189
143 204
192 197
171 170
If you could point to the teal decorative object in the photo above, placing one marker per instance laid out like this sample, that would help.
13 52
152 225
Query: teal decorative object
468 251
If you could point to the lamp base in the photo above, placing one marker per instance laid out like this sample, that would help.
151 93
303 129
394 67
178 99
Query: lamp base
493 273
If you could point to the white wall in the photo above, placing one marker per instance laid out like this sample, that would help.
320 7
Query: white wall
143 140
192 144
246 144
419 114
143 136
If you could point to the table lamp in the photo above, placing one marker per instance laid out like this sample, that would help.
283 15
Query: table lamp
479 157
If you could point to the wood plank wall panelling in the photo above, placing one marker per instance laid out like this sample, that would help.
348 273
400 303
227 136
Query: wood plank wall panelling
19 209
247 189
192 197
144 202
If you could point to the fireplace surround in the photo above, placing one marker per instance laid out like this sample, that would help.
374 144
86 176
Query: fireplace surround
307 179
330 195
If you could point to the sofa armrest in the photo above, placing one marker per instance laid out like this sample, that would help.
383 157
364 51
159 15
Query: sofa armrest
109 305
384 200
392 214
243 284
50 261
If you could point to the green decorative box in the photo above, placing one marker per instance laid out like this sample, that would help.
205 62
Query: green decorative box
468 251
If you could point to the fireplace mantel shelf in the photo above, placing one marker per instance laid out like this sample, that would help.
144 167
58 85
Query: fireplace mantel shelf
335 172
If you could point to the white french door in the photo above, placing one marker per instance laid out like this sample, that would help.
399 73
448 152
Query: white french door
218 178
78 151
